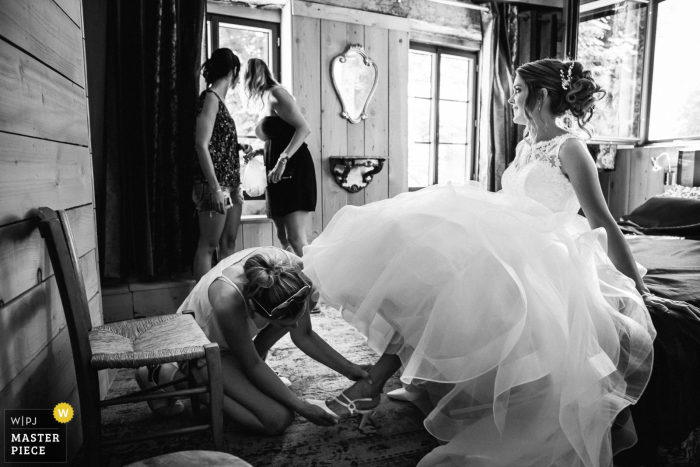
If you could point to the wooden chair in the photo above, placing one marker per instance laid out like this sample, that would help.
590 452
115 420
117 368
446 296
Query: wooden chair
126 344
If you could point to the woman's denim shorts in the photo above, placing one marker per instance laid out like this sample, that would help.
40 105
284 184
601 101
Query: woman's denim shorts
202 196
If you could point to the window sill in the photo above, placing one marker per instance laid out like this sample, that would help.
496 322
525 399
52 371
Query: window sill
255 218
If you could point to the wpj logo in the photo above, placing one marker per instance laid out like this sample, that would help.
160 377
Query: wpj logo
37 435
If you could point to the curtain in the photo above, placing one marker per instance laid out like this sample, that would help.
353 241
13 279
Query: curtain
497 132
153 55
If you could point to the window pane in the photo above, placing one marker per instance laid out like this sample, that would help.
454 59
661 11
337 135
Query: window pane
452 159
419 119
246 42
420 70
675 93
611 43
453 122
454 78
418 165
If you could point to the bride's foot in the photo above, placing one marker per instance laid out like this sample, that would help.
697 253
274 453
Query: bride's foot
360 398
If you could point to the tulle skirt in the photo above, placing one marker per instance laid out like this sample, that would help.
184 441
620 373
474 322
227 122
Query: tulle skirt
526 339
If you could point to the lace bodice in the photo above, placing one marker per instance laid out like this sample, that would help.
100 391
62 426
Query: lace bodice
536 173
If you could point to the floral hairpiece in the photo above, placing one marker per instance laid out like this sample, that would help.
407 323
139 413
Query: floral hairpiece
566 81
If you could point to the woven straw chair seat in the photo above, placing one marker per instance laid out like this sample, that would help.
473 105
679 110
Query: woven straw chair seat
148 341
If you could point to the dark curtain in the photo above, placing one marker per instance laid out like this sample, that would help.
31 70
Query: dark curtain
498 133
153 49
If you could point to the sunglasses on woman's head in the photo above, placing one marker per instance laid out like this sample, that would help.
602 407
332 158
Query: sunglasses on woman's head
281 310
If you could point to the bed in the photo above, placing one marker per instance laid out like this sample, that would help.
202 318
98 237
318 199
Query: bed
664 236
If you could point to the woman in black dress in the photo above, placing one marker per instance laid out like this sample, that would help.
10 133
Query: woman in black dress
291 190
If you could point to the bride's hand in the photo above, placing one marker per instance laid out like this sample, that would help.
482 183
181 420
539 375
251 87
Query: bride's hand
666 305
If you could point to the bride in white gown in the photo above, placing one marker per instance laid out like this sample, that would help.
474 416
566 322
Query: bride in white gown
523 324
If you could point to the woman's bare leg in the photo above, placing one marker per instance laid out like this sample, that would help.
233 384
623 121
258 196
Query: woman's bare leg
210 230
281 230
295 227
227 242
386 366
244 403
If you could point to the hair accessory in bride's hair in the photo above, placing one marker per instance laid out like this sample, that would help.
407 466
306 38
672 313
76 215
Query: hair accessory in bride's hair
566 81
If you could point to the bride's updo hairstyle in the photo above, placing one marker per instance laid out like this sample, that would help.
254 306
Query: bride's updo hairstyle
271 281
257 79
219 65
569 86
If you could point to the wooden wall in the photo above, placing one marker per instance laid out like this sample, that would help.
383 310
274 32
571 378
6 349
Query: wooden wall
633 181
316 42
44 161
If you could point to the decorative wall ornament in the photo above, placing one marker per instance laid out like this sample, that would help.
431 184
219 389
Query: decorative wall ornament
354 77
353 173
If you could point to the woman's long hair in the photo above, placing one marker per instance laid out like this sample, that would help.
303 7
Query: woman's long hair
579 98
258 79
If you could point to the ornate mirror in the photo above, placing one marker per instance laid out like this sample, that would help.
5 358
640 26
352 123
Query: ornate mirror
354 77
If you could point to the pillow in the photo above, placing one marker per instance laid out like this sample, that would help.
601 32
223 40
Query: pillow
667 216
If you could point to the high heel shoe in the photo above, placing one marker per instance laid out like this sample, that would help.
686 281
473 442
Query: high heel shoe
403 394
350 405
146 377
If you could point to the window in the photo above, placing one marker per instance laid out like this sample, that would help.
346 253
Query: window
611 43
247 39
654 101
441 90
675 89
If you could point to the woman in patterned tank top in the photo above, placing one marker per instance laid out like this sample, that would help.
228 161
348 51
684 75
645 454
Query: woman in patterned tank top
217 182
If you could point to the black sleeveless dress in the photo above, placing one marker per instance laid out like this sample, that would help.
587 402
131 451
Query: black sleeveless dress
296 191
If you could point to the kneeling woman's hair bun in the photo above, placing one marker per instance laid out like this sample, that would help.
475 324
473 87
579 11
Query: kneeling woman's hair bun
220 64
271 280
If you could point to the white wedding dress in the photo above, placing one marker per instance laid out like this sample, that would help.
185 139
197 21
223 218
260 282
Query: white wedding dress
503 307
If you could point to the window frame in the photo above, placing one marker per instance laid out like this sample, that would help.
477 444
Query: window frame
470 155
647 80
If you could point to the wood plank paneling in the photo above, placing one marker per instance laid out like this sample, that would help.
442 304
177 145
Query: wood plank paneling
44 30
398 110
334 131
620 186
377 123
306 50
257 234
31 321
350 16
36 172
37 101
356 131
72 9
24 260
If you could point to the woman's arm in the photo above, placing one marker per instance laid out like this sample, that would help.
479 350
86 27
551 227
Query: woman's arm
230 315
203 131
306 339
578 165
284 105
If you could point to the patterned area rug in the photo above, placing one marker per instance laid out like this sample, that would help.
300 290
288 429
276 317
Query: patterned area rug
395 436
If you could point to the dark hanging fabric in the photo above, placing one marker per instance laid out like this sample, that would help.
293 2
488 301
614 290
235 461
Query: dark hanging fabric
152 81
499 135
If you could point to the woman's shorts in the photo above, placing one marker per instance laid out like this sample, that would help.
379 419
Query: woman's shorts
202 196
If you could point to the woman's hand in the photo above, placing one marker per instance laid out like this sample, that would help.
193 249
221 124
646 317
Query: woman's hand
221 201
316 415
666 305
246 148
358 372
275 174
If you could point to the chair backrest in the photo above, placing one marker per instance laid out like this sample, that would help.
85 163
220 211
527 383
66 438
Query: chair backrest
55 228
